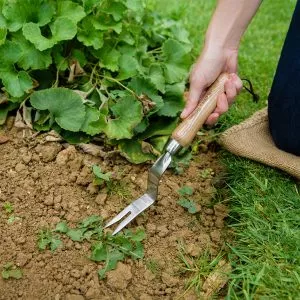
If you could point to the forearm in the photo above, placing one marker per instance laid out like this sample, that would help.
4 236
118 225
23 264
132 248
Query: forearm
229 22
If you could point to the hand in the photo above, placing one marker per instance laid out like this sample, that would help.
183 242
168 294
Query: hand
211 63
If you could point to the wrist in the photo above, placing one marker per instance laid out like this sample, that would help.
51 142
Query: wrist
216 41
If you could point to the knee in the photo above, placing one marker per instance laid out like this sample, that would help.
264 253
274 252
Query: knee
286 141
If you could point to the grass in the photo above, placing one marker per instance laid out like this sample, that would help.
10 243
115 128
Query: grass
264 202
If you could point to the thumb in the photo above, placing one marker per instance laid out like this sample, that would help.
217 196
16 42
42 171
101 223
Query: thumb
194 95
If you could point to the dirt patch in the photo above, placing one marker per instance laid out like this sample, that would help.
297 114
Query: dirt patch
46 183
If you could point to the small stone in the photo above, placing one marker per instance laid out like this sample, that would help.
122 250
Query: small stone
21 240
101 198
49 200
215 236
209 211
169 280
193 250
78 246
27 158
75 273
49 151
20 167
162 230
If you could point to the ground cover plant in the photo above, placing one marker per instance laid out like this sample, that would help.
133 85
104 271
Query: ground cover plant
87 68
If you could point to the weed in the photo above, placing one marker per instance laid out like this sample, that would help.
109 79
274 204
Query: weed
207 173
118 188
11 271
48 239
185 202
105 247
153 266
197 269
100 177
8 207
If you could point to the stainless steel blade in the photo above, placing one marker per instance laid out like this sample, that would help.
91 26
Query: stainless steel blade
154 175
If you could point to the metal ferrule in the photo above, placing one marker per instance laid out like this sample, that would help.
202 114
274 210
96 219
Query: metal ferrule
173 146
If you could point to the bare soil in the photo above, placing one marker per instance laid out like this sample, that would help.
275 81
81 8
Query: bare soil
47 182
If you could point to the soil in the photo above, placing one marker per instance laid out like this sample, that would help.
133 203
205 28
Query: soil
47 182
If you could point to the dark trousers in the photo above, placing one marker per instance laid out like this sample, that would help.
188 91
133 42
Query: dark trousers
284 98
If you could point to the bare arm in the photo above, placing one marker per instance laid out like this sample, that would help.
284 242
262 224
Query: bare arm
220 53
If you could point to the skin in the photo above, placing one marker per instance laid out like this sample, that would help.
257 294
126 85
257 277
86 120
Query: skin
220 54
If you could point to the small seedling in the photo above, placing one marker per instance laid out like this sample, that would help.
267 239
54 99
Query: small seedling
48 239
189 204
100 177
8 207
207 173
105 247
11 271
12 219
153 266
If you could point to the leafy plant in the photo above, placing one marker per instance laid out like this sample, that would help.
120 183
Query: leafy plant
11 271
100 177
8 207
190 205
105 247
86 67
47 239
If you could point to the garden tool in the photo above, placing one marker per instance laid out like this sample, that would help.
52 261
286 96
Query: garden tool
182 136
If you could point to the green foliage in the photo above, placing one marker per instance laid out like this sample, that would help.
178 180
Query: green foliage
8 207
112 66
11 271
190 205
105 247
47 239
100 177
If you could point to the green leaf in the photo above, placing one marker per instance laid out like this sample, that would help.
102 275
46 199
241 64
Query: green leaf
63 29
10 53
12 273
112 259
89 5
174 73
89 36
160 126
94 122
132 151
65 105
3 33
143 87
98 173
19 12
55 243
32 33
5 109
105 24
70 10
62 227
109 58
31 58
186 190
189 205
16 83
76 234
91 221
128 66
138 252
116 9
127 113
156 75
139 235
99 252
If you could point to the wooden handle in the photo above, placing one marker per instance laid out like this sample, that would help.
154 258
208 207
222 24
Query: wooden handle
188 128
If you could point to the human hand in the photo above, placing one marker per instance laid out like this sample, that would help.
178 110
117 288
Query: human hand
211 63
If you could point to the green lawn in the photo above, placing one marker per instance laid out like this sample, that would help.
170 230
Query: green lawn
264 203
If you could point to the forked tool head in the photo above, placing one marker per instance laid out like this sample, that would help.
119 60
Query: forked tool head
131 211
